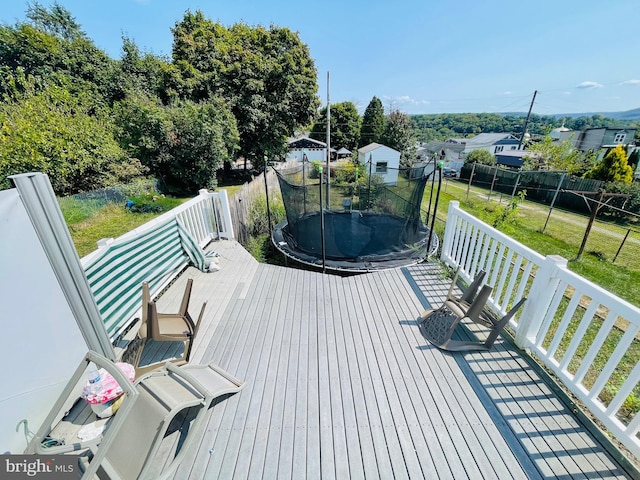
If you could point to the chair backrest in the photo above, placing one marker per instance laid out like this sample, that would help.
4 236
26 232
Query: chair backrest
138 439
157 256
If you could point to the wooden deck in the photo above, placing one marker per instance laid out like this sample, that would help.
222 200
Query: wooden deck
340 384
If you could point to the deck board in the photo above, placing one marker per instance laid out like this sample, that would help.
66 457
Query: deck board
340 384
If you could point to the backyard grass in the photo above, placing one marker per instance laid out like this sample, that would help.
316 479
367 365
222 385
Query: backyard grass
562 236
89 221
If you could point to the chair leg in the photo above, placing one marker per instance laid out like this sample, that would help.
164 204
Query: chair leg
470 293
500 324
184 306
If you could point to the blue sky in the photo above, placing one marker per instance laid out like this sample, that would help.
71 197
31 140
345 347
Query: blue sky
419 56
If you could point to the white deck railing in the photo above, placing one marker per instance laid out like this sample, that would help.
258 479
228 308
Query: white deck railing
586 335
206 217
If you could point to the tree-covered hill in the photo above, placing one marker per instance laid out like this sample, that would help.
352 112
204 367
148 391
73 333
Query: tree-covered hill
439 127
89 121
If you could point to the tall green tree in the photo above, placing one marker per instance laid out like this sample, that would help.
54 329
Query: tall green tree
613 167
345 126
266 76
372 123
60 134
399 135
51 49
184 144
56 21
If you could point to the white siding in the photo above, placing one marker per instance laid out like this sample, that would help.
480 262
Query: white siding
313 154
381 155
41 341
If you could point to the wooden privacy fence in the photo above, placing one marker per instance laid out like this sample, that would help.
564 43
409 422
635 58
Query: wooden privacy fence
586 335
242 201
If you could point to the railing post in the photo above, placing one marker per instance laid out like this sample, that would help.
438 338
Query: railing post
542 291
449 230
225 215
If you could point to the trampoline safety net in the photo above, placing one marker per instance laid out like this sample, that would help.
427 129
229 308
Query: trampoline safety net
370 220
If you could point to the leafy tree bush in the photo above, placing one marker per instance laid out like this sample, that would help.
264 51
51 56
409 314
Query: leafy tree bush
345 126
613 167
266 76
183 145
53 132
480 156
629 204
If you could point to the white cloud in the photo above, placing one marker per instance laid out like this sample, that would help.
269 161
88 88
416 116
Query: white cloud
566 93
507 93
586 85
630 82
405 99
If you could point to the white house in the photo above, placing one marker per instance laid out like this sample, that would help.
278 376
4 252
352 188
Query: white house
315 150
494 143
385 161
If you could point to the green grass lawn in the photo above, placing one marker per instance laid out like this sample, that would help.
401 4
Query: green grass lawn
562 236
89 221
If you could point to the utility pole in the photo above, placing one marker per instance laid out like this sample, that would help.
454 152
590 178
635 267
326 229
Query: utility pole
328 176
526 122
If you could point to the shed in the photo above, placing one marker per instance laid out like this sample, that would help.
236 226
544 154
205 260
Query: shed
385 161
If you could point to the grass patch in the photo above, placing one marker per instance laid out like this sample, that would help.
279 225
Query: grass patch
562 236
87 224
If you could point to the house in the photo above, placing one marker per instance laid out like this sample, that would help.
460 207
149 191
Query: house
494 143
602 138
449 151
385 161
315 150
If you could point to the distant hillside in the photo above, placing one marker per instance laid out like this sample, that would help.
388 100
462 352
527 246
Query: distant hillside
626 115
439 127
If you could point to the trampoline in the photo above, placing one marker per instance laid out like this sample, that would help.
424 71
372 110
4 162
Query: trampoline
368 221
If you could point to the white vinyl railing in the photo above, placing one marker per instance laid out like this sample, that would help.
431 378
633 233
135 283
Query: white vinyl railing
586 335
206 217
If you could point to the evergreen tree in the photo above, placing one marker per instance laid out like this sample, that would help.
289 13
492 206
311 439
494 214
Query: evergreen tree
613 167
372 123
399 135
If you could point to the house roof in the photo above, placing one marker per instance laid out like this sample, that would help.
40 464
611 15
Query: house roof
373 146
306 142
483 139
344 151
515 153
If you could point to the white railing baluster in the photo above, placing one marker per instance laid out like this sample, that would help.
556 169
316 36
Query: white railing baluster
578 335
609 367
624 391
472 245
564 324
595 347
549 314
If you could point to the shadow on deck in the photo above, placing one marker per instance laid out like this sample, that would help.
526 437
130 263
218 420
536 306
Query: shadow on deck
340 384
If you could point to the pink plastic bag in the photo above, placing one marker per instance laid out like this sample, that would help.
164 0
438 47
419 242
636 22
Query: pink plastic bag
107 388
